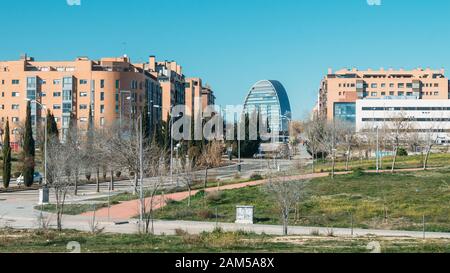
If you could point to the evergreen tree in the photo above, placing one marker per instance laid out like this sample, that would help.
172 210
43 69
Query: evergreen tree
146 124
6 157
52 126
28 150
248 147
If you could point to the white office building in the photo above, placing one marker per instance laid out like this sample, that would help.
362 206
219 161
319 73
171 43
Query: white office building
422 116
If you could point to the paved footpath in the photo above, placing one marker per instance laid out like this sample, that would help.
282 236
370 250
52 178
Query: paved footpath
129 209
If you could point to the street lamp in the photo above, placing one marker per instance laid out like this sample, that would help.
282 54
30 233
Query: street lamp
171 140
44 192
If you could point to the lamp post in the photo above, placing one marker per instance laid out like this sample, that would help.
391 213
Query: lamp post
44 192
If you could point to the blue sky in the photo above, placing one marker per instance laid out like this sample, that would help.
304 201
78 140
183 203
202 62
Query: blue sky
234 43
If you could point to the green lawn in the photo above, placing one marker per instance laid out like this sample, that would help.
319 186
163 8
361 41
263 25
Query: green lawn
22 241
331 203
403 162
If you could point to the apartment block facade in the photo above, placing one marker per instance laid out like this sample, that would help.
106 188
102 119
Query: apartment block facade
340 90
113 88
172 81
198 97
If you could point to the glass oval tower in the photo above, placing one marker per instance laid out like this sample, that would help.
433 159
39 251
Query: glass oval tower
271 100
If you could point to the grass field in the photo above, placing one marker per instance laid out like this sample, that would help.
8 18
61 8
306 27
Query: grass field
23 241
382 201
403 162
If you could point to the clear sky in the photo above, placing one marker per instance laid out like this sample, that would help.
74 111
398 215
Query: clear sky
234 43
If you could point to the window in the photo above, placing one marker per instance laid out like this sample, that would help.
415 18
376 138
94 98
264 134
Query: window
117 84
56 106
102 109
83 120
15 107
409 85
373 94
373 85
83 81
391 93
15 94
102 83
56 94
102 96
391 85
15 82
436 93
15 119
67 107
57 82
436 85
383 85
83 94
409 93
401 85
56 119
67 95
83 106
383 93
3 107
102 121
43 94
400 93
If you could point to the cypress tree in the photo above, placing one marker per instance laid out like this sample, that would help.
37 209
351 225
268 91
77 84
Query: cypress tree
52 126
28 150
145 124
6 157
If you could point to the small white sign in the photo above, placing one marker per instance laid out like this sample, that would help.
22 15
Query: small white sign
244 214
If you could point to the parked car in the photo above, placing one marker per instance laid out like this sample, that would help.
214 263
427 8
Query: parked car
37 178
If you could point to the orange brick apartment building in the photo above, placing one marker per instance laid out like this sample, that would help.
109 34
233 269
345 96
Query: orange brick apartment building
114 88
340 90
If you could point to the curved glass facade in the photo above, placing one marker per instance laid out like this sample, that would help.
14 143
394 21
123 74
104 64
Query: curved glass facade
271 100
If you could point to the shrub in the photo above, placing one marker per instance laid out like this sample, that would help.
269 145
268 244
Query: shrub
171 202
118 174
206 214
402 152
315 232
256 177
214 196
184 213
88 177
16 174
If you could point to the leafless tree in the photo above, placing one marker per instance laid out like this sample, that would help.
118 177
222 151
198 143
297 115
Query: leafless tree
60 164
187 177
211 157
329 142
346 138
157 169
430 137
313 130
399 128
286 194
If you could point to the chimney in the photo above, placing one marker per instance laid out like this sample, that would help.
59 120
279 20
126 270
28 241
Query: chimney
330 71
152 63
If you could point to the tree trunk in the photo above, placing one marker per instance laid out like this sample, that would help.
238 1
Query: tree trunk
135 183
98 179
427 156
348 159
189 199
313 161
205 182
333 164
112 180
394 160
285 223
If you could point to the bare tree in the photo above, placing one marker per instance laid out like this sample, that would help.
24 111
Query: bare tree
60 164
346 134
286 195
329 142
313 130
157 168
187 177
430 138
399 128
211 157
